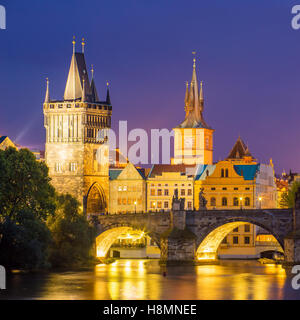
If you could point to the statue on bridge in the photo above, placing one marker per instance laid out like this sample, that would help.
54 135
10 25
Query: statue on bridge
177 203
202 200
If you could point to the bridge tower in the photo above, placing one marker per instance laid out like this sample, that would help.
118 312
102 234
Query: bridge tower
76 150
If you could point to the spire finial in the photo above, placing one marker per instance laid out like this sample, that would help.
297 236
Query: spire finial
47 97
83 90
107 94
92 71
74 43
83 44
194 59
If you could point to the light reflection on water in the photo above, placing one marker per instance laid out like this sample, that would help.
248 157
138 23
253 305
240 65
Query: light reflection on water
143 279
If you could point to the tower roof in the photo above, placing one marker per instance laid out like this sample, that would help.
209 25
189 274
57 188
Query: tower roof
94 92
194 104
239 150
77 73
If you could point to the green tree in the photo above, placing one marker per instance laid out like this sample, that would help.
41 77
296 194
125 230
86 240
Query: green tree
288 198
73 236
26 201
24 184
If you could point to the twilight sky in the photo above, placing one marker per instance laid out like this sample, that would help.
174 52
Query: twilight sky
247 52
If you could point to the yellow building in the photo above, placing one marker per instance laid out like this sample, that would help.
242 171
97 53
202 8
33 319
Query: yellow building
162 182
5 142
238 182
193 138
127 189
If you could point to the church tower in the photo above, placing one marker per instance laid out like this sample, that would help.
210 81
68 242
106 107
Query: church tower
193 140
77 151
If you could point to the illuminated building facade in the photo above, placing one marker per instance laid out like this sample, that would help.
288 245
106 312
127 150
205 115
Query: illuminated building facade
76 149
162 182
127 188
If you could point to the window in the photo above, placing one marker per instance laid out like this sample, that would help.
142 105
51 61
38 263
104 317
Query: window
235 188
247 227
119 201
224 241
226 173
222 173
152 192
213 202
159 192
152 204
182 192
235 240
247 188
224 188
73 166
213 188
189 205
58 167
129 201
159 204
124 201
247 240
166 192
247 201
236 229
120 188
125 188
166 205
224 202
190 192
235 202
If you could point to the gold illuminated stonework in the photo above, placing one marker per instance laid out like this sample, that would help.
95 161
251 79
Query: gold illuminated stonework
76 150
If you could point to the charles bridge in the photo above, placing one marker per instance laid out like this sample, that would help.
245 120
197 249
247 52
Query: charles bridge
194 236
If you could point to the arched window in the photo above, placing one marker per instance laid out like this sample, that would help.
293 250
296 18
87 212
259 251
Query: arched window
226 173
213 202
235 201
222 173
224 202
247 201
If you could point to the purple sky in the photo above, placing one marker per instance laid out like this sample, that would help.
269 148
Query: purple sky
248 57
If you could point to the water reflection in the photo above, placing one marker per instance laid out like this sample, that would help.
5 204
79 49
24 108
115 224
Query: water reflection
143 279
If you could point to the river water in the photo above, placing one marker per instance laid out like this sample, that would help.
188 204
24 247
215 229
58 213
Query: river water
144 279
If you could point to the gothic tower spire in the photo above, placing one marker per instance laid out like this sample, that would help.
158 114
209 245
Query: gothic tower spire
47 97
95 96
107 94
77 73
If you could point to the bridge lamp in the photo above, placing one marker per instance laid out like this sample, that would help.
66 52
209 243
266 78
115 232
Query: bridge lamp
135 206
260 200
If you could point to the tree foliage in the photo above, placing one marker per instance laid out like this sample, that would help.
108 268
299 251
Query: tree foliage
24 185
288 198
73 237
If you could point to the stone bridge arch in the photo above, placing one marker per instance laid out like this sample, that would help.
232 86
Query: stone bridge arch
208 242
112 226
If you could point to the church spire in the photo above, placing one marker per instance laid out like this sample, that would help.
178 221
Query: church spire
47 97
107 94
